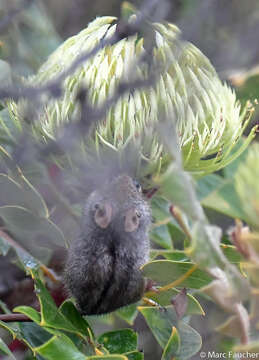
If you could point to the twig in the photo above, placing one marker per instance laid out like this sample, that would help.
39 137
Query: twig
14 318
12 14
53 87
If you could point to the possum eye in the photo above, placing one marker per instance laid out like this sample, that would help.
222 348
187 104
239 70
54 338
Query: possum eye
131 220
103 214
137 185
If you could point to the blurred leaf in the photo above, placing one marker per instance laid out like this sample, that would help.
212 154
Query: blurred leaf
119 341
205 246
161 322
128 313
37 235
208 184
180 303
231 253
5 73
183 194
161 236
134 355
30 40
4 348
233 327
165 271
172 348
59 347
164 299
127 9
225 200
21 194
4 246
8 129
107 357
176 255
253 347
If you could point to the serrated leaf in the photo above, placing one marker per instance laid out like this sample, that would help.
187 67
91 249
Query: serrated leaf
4 348
172 348
161 322
59 347
164 272
119 341
35 234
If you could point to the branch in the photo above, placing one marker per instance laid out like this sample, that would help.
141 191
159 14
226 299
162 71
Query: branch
12 14
53 87
14 318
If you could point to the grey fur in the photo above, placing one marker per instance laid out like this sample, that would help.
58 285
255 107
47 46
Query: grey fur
102 269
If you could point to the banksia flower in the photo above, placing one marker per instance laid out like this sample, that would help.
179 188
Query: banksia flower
247 186
208 117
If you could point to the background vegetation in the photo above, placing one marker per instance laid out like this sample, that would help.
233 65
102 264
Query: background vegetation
205 233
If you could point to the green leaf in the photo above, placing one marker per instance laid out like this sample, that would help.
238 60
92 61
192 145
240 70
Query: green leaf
161 322
175 255
164 272
4 348
231 253
4 246
134 355
208 184
128 313
172 348
161 236
225 200
21 194
119 341
107 357
30 312
183 194
11 327
5 73
69 310
59 347
164 298
35 234
33 334
50 315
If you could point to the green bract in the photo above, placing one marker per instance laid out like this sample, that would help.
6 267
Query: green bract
188 91
247 186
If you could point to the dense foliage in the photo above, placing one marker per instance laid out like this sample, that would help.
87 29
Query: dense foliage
193 260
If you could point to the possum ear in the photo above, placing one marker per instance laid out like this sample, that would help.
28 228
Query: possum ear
103 215
131 220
